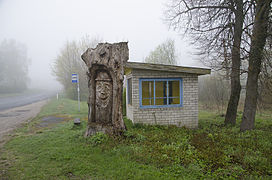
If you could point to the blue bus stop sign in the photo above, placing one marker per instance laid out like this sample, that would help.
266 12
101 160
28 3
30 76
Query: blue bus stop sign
74 78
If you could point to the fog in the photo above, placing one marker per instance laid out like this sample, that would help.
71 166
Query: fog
45 25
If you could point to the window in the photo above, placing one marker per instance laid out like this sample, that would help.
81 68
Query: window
129 91
161 92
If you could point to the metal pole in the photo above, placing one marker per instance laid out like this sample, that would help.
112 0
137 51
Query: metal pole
78 94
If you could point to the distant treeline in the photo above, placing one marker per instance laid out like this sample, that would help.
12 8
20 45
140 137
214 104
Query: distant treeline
214 92
13 67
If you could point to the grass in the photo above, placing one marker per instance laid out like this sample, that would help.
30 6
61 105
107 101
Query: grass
144 152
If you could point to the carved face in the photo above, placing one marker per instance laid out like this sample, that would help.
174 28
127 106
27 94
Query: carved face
103 89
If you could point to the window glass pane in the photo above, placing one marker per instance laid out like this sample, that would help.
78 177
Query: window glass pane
147 93
174 89
174 92
174 101
161 101
161 93
160 88
147 102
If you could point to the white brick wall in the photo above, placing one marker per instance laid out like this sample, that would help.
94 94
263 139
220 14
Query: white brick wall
129 108
187 115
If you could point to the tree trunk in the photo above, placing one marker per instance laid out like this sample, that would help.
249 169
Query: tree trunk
258 39
235 68
105 76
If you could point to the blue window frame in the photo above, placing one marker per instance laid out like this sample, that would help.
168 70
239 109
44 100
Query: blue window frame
156 93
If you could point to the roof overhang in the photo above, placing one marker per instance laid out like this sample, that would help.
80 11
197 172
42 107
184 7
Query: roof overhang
168 68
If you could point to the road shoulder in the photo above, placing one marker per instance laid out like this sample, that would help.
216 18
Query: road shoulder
13 118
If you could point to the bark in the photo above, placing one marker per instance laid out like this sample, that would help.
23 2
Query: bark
259 36
235 68
105 76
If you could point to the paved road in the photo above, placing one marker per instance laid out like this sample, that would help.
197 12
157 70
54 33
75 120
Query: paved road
18 109
22 100
12 118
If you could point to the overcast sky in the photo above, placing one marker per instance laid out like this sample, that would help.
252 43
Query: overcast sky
45 25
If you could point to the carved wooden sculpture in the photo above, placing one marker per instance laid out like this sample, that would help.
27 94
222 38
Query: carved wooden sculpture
105 74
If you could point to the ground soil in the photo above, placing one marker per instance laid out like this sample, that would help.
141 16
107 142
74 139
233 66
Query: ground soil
49 121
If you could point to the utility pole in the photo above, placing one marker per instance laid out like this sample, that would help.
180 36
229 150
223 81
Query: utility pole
78 94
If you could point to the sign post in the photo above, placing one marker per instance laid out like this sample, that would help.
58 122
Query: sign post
75 79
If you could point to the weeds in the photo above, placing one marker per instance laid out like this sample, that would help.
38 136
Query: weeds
144 151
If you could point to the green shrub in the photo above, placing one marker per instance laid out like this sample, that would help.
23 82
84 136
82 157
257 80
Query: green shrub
98 138
124 102
134 136
128 123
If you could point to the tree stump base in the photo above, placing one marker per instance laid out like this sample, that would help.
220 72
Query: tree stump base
94 128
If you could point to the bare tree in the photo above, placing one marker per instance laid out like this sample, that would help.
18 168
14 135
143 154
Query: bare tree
258 40
265 82
164 53
265 77
221 31
69 61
